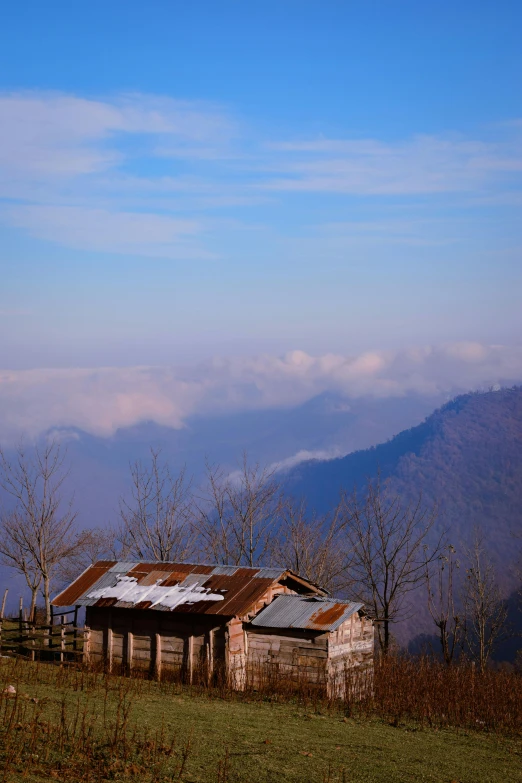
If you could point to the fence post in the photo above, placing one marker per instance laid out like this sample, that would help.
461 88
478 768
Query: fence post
62 638
86 644
2 610
20 625
50 630
31 628
75 635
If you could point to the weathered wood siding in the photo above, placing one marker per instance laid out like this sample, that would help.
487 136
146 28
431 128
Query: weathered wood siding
350 658
163 643
299 655
195 647
352 641
312 655
170 643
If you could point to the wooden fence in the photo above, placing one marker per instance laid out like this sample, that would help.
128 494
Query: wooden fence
60 641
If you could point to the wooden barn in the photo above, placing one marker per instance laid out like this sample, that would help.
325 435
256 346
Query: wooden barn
193 621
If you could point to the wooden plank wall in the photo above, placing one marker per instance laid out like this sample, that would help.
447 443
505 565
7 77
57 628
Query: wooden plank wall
285 653
312 655
161 643
193 647
353 641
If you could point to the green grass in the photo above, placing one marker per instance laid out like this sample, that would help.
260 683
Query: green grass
264 741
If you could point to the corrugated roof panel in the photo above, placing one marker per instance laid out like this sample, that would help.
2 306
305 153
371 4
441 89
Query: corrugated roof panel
71 595
294 611
122 567
241 587
269 573
244 599
195 579
225 570
107 580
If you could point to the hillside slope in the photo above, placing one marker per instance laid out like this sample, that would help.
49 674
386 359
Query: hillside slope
466 457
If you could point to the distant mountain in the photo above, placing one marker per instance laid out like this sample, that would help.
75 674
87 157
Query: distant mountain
466 457
325 425
328 424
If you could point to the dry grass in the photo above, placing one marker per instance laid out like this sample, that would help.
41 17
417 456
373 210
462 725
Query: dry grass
73 724
432 694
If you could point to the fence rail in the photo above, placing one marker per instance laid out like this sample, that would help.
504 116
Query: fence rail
60 640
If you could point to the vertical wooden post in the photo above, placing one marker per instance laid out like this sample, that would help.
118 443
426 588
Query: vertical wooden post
157 656
227 655
108 655
51 629
75 635
130 651
2 610
86 644
31 627
108 643
62 638
190 656
20 625
210 656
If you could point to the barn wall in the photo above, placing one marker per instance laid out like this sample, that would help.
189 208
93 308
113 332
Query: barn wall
301 655
350 658
315 656
193 647
185 645
352 641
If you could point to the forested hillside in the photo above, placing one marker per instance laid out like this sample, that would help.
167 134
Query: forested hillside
466 458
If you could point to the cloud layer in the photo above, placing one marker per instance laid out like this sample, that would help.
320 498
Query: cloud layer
102 400
139 174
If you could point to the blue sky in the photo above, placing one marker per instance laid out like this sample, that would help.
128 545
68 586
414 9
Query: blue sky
185 180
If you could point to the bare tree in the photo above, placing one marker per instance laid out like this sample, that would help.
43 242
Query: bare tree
254 497
440 585
312 546
15 554
96 544
155 521
40 526
390 553
485 610
213 520
237 514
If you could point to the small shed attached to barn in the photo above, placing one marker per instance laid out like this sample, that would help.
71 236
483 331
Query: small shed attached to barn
200 621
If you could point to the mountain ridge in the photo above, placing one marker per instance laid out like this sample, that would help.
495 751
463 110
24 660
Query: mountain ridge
465 458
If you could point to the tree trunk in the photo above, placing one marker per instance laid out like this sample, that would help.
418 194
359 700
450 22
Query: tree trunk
32 610
47 600
386 645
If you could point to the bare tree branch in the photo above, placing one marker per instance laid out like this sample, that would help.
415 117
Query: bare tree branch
390 553
156 521
236 515
486 612
440 585
39 530
312 546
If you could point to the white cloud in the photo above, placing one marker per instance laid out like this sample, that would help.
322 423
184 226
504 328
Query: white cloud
130 172
422 164
133 233
54 135
103 400
304 455
68 165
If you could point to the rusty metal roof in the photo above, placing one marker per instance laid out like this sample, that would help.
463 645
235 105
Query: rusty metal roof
313 613
183 587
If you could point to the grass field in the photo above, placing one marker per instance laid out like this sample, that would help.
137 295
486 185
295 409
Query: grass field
71 726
